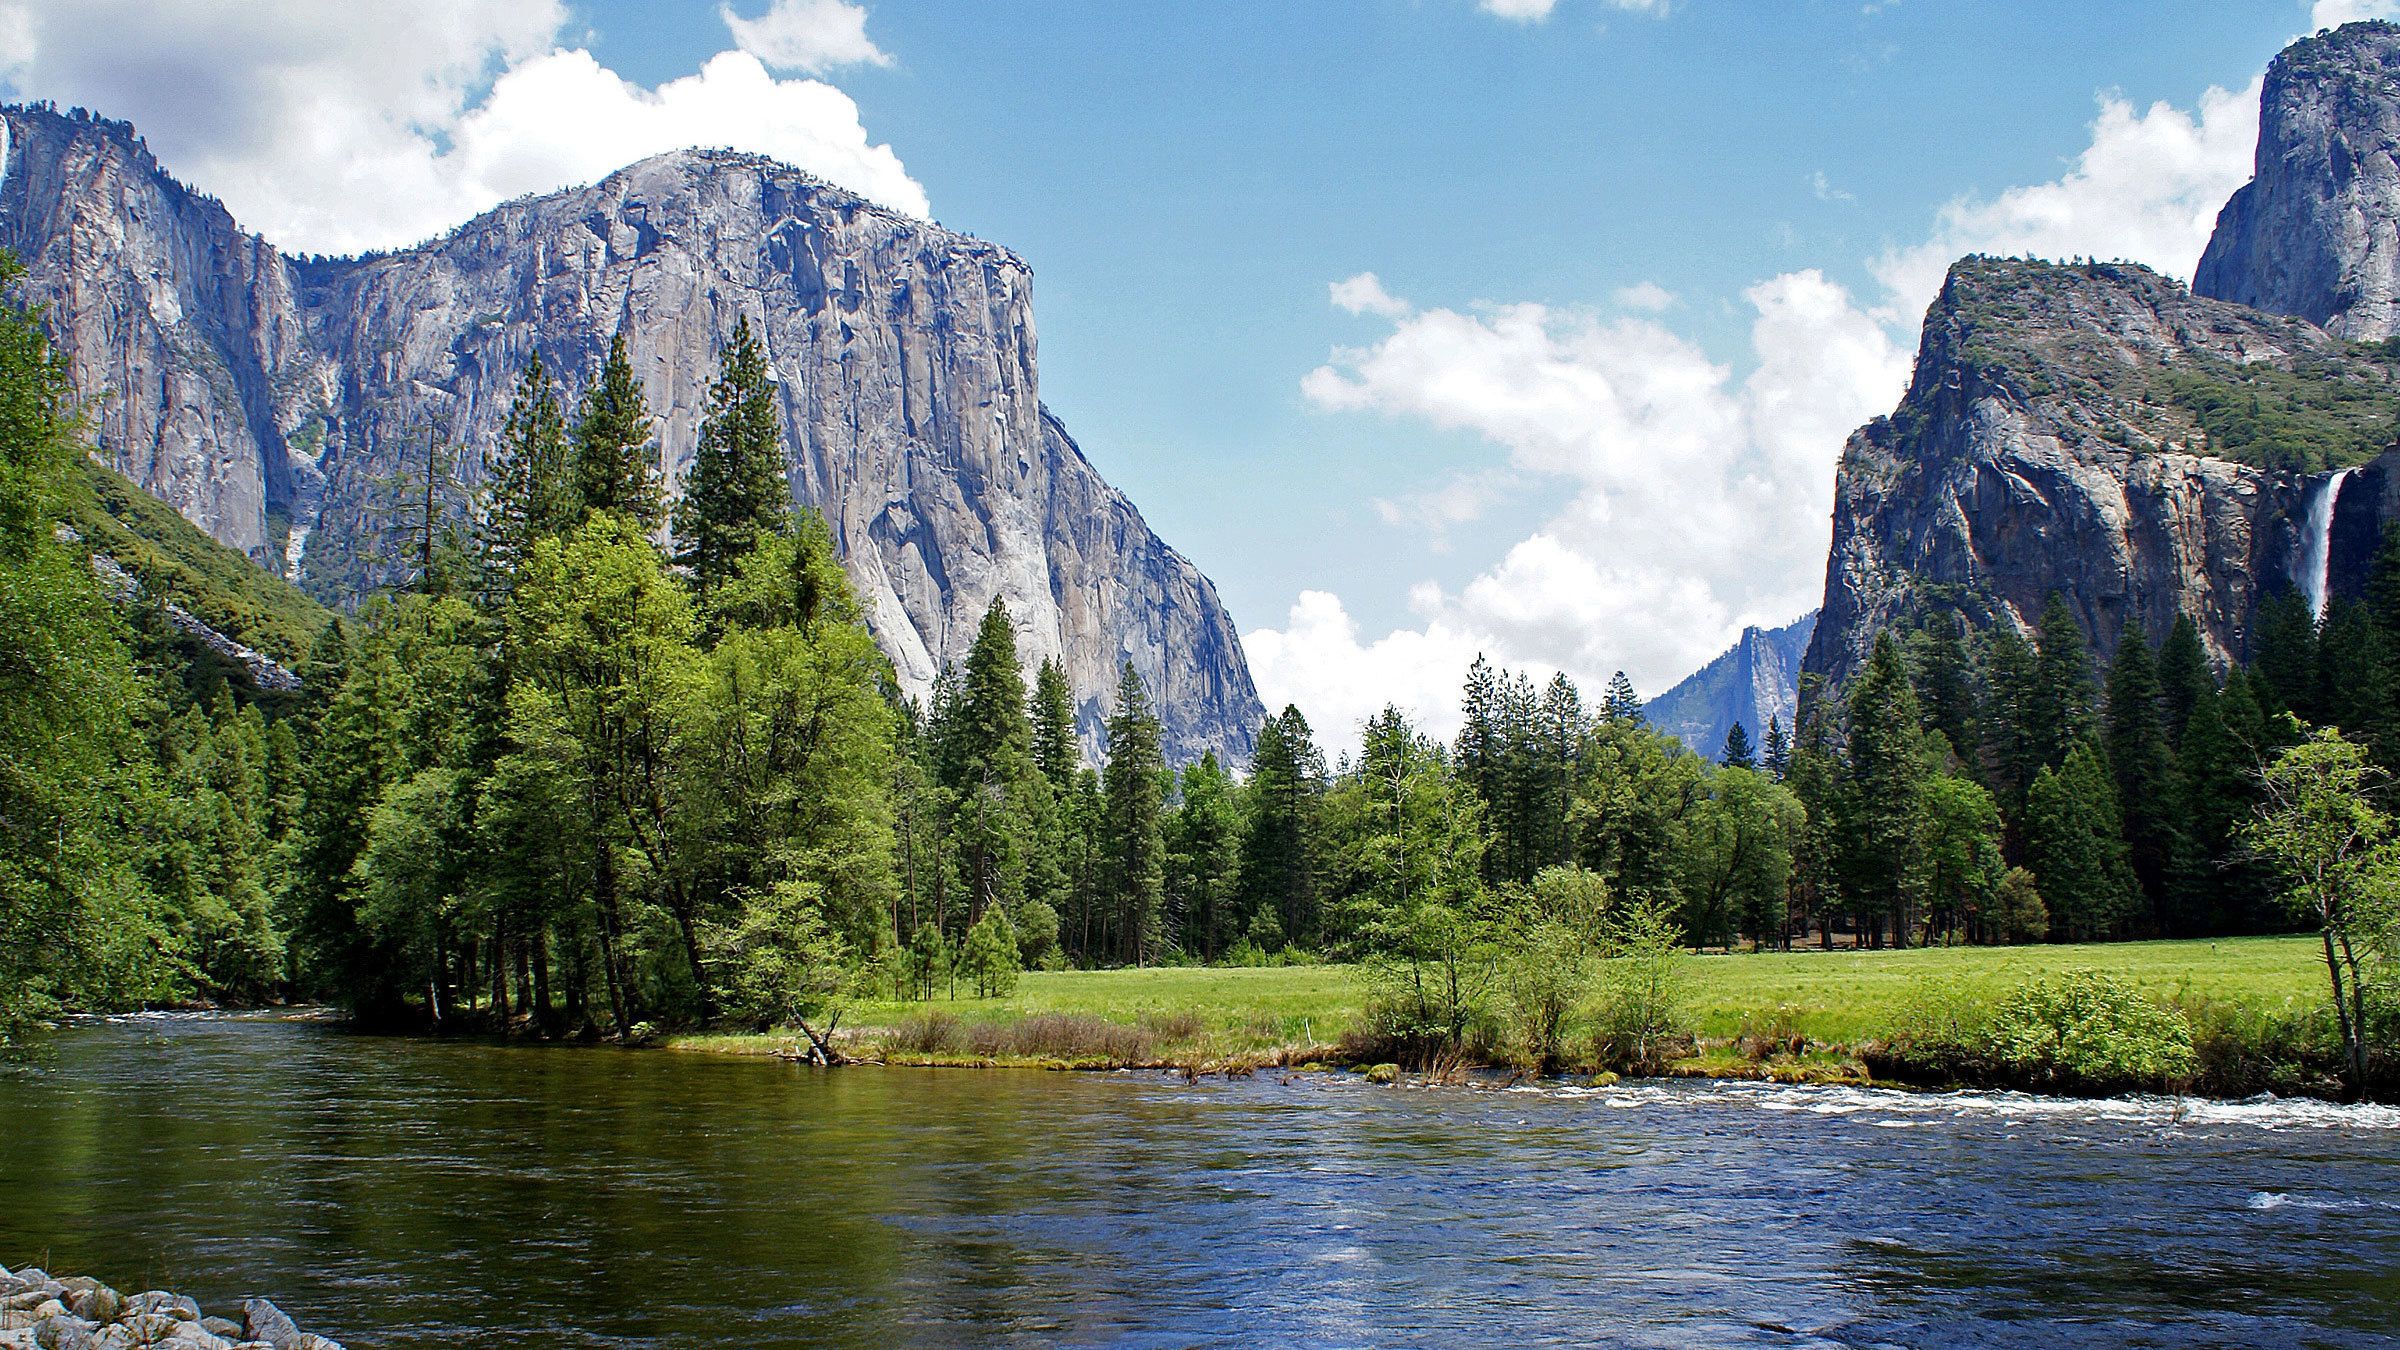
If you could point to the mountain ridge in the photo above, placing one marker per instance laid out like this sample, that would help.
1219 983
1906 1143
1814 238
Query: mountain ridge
1753 681
264 396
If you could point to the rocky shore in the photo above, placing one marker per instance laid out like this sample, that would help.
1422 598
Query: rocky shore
40 1311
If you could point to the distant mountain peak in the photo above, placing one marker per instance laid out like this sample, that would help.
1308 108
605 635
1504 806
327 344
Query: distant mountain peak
1756 680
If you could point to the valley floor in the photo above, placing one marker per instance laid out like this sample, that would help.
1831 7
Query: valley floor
1836 1004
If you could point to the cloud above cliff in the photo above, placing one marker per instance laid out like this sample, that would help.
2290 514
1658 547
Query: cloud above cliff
1689 500
336 128
811 35
2147 188
2335 13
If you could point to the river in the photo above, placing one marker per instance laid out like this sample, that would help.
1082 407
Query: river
401 1193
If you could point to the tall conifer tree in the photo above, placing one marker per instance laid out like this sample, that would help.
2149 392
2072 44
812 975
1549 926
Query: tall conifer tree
1056 750
2184 676
735 495
2143 767
616 459
1133 786
536 493
1737 753
2063 705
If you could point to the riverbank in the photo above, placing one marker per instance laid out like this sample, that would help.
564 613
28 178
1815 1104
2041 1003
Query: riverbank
2251 1005
39 1311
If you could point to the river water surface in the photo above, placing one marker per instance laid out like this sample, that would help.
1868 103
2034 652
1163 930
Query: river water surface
402 1193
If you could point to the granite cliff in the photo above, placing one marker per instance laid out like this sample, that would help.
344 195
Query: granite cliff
2141 448
1756 680
263 395
2316 232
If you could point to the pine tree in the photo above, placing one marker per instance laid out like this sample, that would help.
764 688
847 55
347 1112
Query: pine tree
1056 751
2075 847
1279 864
2012 750
2216 775
2354 684
2184 676
2143 767
1204 858
984 753
1620 703
1133 786
2062 704
1477 750
1514 810
1815 777
616 461
1888 767
1778 757
2283 656
536 488
1945 681
735 494
1737 753
1562 737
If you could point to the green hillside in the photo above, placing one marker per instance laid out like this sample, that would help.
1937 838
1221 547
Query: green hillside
175 560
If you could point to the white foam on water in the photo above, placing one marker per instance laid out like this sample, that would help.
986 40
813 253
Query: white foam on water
2264 1200
1900 1109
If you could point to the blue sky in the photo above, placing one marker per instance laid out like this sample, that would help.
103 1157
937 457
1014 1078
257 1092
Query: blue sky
1638 266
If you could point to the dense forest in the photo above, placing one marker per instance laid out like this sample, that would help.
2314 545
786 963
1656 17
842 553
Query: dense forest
570 776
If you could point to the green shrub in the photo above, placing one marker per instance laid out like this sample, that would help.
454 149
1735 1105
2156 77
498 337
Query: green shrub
1545 974
2243 1049
1644 985
1943 1033
2092 1031
1430 989
988 957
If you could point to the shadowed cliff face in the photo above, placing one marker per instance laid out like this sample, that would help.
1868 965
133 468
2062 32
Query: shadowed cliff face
2316 233
263 396
2081 429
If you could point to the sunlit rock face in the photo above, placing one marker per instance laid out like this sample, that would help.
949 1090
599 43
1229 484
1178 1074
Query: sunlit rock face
2316 232
2098 431
2049 443
265 396
1754 683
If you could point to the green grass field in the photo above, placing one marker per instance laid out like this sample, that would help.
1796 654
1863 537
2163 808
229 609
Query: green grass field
1843 997
1836 998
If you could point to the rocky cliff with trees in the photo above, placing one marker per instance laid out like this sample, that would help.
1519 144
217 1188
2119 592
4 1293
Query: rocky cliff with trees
306 410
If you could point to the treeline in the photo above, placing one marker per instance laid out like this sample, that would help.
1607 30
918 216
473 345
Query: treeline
567 775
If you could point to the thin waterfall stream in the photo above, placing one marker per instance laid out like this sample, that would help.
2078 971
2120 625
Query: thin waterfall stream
2316 557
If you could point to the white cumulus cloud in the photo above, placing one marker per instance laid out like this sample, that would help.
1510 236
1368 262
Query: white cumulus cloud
1646 295
335 128
1695 502
2147 188
811 35
2335 13
1318 662
1535 11
1522 11
1364 294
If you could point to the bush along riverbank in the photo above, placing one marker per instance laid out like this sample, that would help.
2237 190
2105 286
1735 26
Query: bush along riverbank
39 1311
2225 1020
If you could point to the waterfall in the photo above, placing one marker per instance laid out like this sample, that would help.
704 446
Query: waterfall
2316 550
